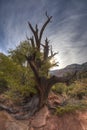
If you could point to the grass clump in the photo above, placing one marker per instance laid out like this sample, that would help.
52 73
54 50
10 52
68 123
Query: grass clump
61 110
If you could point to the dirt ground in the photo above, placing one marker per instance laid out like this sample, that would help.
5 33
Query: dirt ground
43 120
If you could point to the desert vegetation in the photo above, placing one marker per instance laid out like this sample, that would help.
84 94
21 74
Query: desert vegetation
25 77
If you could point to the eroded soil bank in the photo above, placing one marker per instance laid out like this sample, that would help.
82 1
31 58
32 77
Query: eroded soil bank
44 120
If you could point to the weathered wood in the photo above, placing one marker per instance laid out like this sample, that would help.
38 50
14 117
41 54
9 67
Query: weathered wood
28 109
8 109
43 84
44 26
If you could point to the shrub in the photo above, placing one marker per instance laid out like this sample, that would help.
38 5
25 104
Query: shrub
59 88
78 90
3 85
61 110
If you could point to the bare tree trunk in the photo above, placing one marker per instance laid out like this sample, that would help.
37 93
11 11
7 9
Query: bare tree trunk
46 84
43 84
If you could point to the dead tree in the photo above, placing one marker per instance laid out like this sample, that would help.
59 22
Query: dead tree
43 83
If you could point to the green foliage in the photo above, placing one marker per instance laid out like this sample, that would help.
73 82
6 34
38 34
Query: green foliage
61 110
18 54
76 96
81 75
3 85
18 93
44 69
25 49
78 89
3 73
17 78
59 88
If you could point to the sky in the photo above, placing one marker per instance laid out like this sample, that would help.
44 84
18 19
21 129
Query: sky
67 32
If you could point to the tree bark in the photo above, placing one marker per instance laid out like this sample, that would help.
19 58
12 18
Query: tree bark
45 85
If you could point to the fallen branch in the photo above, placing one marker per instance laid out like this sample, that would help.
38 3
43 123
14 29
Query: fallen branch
9 110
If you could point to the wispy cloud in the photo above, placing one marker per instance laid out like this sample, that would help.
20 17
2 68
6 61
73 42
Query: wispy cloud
67 32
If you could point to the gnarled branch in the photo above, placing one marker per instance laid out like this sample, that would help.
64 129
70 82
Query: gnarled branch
44 26
32 42
35 33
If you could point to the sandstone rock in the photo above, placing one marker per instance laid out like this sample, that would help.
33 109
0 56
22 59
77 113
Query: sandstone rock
67 122
40 118
44 120
8 123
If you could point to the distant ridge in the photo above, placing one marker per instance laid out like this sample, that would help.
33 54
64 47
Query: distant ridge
70 69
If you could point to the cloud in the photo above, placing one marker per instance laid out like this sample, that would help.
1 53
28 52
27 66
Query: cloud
67 32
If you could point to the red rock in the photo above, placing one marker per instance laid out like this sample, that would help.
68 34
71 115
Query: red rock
43 120
40 118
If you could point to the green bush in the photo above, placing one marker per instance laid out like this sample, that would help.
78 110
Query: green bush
78 90
61 110
18 91
17 78
3 85
59 88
